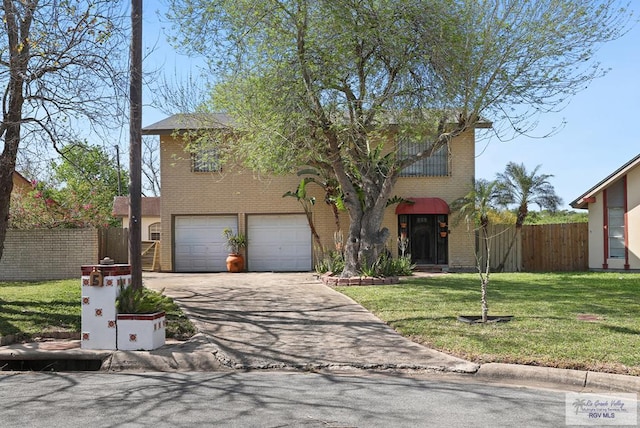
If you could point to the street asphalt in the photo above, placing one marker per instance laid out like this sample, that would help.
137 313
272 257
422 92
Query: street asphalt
292 321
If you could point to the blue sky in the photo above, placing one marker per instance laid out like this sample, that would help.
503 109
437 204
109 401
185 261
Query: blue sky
600 135
601 132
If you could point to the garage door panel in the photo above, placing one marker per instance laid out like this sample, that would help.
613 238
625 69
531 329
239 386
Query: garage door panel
278 243
199 244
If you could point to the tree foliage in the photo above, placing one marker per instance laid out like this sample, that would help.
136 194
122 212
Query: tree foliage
522 188
336 84
519 187
61 71
81 192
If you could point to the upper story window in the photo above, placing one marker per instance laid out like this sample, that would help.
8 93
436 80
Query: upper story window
437 165
205 158
154 231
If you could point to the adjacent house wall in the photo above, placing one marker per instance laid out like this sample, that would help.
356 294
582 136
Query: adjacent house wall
597 239
146 222
633 217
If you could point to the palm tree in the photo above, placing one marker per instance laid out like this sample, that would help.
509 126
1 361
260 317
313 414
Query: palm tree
475 209
522 188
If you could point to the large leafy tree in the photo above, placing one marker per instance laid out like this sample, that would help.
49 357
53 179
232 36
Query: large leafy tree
61 71
335 84
522 188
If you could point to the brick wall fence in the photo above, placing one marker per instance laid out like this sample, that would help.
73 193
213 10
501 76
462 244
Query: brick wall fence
34 255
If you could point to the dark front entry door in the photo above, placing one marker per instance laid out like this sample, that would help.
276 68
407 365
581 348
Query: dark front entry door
426 243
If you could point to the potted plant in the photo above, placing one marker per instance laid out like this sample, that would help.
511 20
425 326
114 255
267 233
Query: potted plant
140 322
235 243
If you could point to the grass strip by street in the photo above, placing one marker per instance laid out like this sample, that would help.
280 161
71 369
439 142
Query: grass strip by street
586 321
30 309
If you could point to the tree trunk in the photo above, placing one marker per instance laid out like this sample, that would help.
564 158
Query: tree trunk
366 237
18 49
352 246
7 167
484 275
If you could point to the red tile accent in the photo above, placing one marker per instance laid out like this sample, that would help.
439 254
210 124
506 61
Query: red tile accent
85 300
85 281
111 324
99 312
143 317
85 336
133 338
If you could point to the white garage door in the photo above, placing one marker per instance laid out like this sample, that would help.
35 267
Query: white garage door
278 243
199 244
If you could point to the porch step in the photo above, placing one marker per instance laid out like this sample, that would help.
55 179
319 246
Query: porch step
431 268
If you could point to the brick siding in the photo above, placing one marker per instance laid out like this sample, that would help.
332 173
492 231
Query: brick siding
242 192
44 254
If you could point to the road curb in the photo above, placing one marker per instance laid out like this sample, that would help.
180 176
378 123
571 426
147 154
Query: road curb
559 377
616 382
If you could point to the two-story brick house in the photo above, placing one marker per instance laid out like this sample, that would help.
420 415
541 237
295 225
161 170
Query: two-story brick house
200 198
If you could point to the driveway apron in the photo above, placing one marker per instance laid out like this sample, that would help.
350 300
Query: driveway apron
292 320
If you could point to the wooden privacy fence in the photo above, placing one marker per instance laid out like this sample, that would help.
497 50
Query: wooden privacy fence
540 248
555 247
114 243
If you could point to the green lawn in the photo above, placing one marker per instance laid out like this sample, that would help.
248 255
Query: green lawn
545 331
32 308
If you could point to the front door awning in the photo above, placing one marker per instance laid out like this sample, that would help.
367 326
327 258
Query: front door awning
423 206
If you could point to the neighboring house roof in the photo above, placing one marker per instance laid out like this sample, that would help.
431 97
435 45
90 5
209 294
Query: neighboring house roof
21 184
150 206
582 202
189 122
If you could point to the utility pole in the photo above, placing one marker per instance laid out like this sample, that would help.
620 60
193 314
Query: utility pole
135 146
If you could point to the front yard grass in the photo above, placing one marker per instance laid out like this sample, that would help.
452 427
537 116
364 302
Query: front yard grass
547 329
29 309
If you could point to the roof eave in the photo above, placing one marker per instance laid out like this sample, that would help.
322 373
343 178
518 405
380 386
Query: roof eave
582 202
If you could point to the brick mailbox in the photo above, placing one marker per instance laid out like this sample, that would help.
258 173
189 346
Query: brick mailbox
100 289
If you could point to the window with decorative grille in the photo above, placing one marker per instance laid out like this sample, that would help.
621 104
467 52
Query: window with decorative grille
436 165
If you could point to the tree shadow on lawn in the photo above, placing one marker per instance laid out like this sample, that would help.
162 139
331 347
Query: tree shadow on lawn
621 330
38 314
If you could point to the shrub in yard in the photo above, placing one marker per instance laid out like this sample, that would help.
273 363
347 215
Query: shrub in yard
331 262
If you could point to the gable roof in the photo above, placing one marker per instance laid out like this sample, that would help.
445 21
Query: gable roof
150 206
196 121
189 122
20 182
582 202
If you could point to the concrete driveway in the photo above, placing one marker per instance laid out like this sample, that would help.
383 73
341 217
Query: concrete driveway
292 320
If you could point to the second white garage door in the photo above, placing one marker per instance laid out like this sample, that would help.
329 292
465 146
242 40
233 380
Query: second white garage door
199 244
280 243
